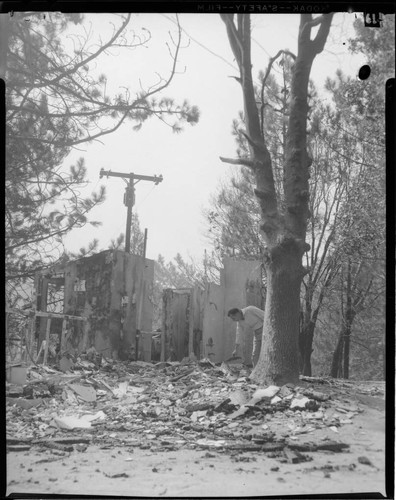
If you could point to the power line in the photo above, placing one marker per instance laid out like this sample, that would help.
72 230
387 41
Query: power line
218 55
201 44
138 205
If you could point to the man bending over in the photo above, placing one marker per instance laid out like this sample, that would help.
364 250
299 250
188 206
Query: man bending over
249 317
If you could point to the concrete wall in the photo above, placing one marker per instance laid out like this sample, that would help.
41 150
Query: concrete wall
213 323
176 323
240 286
182 323
239 275
110 289
196 322
131 280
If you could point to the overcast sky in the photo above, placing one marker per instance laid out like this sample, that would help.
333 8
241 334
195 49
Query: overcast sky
189 161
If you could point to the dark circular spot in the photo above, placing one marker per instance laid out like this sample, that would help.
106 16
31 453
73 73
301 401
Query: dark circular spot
364 72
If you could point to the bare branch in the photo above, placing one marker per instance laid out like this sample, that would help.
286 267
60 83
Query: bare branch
238 161
233 35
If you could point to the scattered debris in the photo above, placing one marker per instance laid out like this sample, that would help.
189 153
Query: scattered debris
168 406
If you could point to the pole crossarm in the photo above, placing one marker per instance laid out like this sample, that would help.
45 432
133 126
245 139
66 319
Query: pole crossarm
153 178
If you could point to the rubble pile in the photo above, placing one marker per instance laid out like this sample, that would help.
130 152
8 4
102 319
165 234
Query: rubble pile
166 406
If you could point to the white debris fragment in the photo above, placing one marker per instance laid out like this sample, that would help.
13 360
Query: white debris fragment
211 442
299 402
268 392
73 422
197 414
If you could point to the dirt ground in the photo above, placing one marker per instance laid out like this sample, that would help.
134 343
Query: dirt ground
209 472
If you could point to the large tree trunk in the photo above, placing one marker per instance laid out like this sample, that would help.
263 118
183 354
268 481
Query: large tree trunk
283 233
278 362
336 364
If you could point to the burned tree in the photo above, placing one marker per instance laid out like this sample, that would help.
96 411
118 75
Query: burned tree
284 231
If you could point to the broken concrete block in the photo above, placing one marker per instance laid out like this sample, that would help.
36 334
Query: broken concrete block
284 391
14 391
238 397
295 457
69 396
87 393
26 404
65 364
16 374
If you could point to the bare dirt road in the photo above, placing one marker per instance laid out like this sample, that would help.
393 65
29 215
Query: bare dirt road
210 471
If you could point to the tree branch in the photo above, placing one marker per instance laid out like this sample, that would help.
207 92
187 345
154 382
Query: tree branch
264 81
91 57
233 36
238 161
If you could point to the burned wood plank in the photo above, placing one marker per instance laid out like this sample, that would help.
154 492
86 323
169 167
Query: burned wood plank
332 446
319 380
57 446
23 441
270 447
318 396
242 446
326 445
301 446
178 377
63 440
18 447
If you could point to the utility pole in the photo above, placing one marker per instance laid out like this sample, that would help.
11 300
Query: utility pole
129 196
